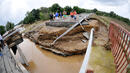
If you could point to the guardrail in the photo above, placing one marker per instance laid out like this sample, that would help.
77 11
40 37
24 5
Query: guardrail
83 68
120 47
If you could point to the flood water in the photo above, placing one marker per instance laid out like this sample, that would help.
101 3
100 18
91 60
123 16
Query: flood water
42 61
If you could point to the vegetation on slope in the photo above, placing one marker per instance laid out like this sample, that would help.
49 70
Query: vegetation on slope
8 27
43 13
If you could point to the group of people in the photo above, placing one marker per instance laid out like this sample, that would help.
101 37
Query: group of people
63 15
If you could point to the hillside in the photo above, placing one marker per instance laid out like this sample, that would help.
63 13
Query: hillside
123 24
44 12
106 20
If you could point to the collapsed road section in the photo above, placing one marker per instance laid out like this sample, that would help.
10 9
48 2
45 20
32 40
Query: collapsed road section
70 40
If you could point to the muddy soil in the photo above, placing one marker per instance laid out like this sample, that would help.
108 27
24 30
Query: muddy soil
42 61
71 43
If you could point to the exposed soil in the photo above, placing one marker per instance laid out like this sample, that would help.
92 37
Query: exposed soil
71 43
101 60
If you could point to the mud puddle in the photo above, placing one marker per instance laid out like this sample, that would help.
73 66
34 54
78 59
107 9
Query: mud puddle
42 61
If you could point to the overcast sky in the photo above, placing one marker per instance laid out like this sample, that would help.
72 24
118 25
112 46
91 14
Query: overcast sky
15 10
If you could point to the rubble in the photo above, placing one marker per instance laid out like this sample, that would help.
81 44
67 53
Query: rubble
72 43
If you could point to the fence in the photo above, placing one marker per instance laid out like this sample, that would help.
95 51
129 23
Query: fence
120 47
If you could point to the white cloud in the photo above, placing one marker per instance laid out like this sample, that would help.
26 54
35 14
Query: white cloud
122 10
12 10
15 10
112 2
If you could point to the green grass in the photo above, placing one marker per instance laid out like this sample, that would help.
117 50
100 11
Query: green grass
29 27
123 24
101 61
106 20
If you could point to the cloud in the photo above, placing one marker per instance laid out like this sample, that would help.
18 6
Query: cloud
15 10
122 10
112 2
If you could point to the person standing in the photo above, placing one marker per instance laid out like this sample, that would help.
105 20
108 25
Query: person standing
51 16
71 14
2 42
75 13
64 14
56 15
60 15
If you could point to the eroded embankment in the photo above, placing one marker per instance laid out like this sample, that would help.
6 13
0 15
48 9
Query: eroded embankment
72 43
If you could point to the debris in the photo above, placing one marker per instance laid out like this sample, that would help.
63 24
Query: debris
107 46
73 26
86 34
73 41
84 40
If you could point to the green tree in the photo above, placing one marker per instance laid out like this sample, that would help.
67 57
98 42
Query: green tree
68 9
2 29
35 13
44 10
44 16
43 13
29 18
95 10
9 26
79 10
55 8
112 14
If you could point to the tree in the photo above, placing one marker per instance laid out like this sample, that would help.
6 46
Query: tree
35 13
43 13
55 8
112 14
44 10
2 29
79 10
68 9
44 16
82 10
29 18
95 10
9 26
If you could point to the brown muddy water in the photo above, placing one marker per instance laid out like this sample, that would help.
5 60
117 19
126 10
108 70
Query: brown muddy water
42 61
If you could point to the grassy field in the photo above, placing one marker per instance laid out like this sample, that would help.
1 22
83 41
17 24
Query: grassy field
30 27
107 20
123 24
101 61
